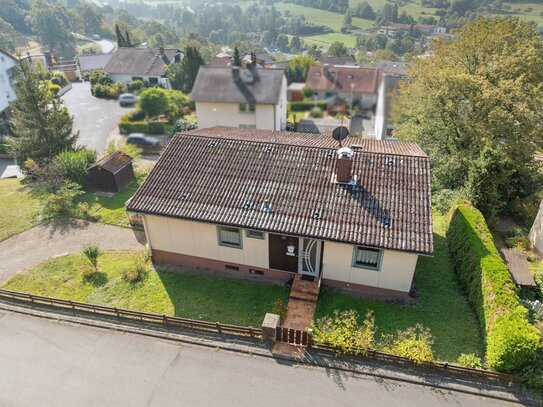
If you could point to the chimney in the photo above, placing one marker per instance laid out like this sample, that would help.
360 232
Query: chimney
326 69
177 57
161 50
235 73
344 165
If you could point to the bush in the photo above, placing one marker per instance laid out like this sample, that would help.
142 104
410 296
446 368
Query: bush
511 342
139 267
87 271
59 78
308 91
517 238
305 106
100 78
344 333
279 308
143 127
181 125
443 199
54 89
61 203
76 163
92 252
135 85
88 212
414 343
316 113
470 360
154 101
131 149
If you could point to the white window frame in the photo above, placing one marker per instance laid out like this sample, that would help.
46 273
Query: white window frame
377 267
224 243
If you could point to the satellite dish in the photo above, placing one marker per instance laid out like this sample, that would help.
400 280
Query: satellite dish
340 133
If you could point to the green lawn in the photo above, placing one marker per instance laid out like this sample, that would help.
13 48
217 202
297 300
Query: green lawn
19 208
322 17
324 40
185 295
111 209
441 307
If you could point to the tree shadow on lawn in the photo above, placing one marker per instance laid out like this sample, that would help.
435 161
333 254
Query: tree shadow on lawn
97 279
200 294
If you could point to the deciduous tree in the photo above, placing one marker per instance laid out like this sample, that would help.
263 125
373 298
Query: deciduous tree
474 105
337 49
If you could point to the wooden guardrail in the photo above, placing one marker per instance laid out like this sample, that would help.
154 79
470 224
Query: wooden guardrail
134 315
388 357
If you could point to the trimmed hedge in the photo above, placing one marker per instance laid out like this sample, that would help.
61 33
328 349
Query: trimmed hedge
305 106
511 341
126 126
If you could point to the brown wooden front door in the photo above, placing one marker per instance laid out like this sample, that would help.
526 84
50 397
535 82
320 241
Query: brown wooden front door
278 249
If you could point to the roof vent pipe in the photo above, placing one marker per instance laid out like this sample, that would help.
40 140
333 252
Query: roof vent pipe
344 164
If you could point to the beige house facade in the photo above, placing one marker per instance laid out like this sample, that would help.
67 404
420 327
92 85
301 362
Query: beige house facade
197 244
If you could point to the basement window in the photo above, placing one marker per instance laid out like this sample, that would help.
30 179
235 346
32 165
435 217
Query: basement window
254 234
367 258
229 237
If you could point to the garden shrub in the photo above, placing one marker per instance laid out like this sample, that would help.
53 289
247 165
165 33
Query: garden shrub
279 308
414 343
132 150
181 125
308 91
149 127
76 163
136 85
470 360
511 342
54 89
99 77
305 106
517 238
92 252
139 268
59 78
316 113
343 332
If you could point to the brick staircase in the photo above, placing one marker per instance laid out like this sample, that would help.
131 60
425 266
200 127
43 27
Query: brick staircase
305 290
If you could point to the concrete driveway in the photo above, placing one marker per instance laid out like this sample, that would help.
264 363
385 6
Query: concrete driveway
96 119
47 363
35 245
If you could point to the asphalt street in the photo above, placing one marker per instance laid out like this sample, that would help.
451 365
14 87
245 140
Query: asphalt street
49 363
95 118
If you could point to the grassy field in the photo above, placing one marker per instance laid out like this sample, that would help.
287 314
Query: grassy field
19 208
322 17
441 307
184 295
324 40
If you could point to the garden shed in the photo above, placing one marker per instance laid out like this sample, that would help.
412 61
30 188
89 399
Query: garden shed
112 173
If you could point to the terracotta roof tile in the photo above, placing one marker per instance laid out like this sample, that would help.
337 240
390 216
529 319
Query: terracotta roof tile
113 162
340 79
214 179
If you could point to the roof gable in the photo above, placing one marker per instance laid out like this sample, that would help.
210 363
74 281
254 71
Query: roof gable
226 181
113 162
344 79
220 84
139 61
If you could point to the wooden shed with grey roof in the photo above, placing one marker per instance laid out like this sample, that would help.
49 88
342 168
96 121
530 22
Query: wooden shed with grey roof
112 173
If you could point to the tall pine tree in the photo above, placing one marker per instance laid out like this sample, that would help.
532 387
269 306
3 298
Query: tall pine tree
42 126
128 42
121 42
183 74
237 57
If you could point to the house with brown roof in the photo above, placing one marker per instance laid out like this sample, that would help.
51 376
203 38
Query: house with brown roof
276 204
241 97
348 83
145 64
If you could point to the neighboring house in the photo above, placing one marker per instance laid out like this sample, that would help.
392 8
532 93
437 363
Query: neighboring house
146 64
295 92
273 204
352 84
7 82
112 173
241 97
347 60
221 59
263 59
89 63
394 68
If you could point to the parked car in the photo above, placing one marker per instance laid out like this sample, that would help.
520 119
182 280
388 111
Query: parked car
96 37
127 99
142 140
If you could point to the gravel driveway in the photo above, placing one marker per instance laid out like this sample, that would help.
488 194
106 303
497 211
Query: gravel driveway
45 241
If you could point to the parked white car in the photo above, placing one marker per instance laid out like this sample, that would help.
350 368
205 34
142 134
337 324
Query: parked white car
127 99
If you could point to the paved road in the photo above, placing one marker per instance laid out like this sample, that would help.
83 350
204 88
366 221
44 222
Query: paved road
48 363
95 118
44 241
106 45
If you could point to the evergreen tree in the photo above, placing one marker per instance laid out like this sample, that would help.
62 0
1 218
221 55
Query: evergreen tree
253 59
42 126
128 43
295 44
237 57
121 42
183 74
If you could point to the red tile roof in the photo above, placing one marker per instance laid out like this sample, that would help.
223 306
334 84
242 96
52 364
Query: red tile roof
340 79
226 181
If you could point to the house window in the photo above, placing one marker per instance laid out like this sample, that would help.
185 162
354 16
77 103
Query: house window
367 258
247 107
229 237
254 234
153 81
